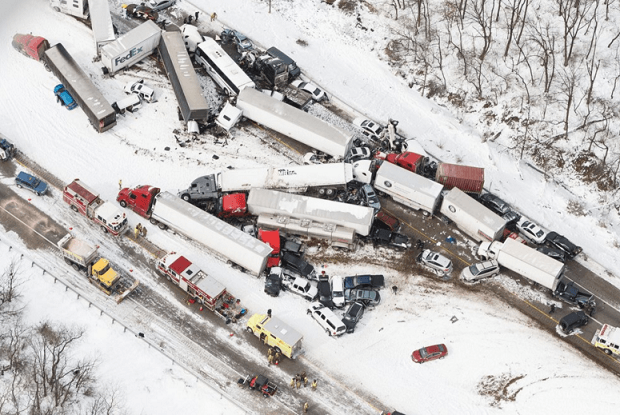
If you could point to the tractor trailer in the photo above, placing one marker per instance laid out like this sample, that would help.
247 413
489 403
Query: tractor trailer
294 123
167 210
408 188
472 217
326 178
525 261
130 48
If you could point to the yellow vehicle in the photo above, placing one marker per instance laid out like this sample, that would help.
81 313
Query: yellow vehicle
607 339
273 332
84 258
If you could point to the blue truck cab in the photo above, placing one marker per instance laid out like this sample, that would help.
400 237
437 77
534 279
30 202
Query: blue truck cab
7 150
31 183
64 97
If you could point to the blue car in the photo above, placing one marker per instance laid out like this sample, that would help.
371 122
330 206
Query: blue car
64 97
31 183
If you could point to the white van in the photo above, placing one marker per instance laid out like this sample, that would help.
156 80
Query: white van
337 284
191 37
327 319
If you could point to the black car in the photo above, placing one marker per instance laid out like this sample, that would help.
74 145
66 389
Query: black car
297 264
288 245
561 242
325 293
573 321
553 253
392 239
353 314
494 203
273 282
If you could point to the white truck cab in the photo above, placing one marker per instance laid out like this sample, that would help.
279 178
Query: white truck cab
77 8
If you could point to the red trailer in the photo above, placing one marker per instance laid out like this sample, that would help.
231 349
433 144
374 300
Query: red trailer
466 178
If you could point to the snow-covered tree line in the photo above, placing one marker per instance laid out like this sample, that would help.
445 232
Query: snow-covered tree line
544 75
39 371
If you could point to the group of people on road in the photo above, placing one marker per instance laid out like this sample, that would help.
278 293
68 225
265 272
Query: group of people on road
274 356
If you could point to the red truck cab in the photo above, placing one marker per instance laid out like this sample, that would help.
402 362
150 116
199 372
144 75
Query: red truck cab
411 161
139 199
271 238
32 46
232 206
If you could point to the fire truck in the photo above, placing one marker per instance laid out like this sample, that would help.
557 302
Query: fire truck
86 201
200 286
607 339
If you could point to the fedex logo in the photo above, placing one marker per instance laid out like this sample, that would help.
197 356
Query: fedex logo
130 55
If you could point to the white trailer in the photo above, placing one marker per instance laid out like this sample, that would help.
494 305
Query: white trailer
334 234
217 235
408 188
525 261
293 178
101 23
294 123
358 218
131 48
472 217
77 8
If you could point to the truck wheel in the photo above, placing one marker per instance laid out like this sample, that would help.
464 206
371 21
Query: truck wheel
153 221
19 186
68 261
249 330
76 267
162 226
104 229
185 197
277 350
608 352
57 9
75 209
123 203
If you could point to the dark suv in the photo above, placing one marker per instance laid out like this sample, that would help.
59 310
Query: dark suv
273 282
573 321
561 242
298 264
353 315
325 293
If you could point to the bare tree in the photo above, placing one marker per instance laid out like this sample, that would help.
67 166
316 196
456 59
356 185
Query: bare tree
569 81
481 14
516 13
10 281
544 39
57 377
575 15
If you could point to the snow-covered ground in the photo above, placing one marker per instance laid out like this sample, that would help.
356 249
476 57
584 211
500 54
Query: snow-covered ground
492 346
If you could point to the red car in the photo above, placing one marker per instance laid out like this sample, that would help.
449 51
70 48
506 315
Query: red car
426 354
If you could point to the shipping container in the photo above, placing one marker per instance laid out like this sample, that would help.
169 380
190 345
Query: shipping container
131 48
468 179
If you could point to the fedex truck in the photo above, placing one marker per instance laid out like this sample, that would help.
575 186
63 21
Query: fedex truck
130 48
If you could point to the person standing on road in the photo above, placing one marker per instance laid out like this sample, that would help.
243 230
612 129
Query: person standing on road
196 18
292 382
306 408
213 16
277 358
314 385
120 184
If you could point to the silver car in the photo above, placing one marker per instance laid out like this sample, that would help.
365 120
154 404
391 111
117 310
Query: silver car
476 272
435 261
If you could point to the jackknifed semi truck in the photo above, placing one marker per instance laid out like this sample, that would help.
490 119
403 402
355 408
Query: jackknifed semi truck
167 210
294 123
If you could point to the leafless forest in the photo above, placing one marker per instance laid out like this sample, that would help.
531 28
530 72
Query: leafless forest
541 75
39 373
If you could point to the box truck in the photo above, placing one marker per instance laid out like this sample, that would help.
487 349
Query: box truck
130 48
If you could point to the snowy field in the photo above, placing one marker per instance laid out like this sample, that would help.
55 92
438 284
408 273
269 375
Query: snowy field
499 360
